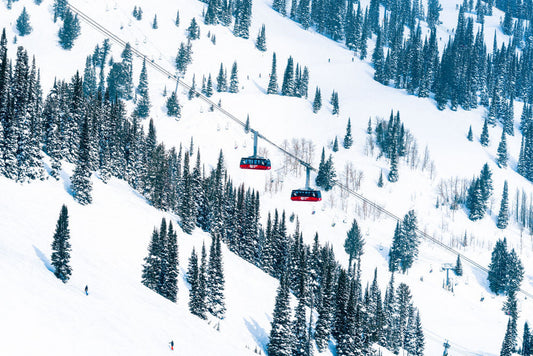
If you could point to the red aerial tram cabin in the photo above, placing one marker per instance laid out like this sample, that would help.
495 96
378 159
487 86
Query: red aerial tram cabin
257 163
306 195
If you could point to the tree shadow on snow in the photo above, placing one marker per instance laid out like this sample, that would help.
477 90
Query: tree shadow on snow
259 334
44 259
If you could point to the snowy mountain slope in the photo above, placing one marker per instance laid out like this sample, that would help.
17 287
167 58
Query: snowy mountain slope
282 118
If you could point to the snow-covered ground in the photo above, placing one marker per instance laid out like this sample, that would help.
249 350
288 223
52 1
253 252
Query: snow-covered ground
110 237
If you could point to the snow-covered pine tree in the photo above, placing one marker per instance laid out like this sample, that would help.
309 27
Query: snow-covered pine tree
61 247
317 101
177 21
458 269
502 152
470 135
508 341
324 321
170 284
335 145
281 338
354 243
498 268
173 107
154 23
215 280
196 304
69 31
287 87
335 103
299 325
348 140
234 79
193 31
503 215
393 171
221 79
380 180
527 339
23 23
280 6
484 138
81 184
60 7
273 81
260 43
142 109
209 87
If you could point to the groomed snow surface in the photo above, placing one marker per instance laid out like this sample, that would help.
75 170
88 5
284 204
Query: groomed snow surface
41 315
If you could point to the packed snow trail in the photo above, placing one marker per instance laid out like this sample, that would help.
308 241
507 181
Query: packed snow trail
179 81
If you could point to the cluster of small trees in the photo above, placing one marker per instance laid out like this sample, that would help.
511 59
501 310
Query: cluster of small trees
161 266
391 139
207 282
222 81
326 172
295 81
404 249
224 12
479 194
137 13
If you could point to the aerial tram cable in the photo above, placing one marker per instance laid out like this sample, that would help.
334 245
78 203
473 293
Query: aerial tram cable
254 161
224 112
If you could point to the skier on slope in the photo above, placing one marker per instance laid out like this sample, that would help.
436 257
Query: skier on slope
172 344
86 290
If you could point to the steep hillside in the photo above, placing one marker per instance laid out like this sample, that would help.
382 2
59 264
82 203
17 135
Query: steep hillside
110 237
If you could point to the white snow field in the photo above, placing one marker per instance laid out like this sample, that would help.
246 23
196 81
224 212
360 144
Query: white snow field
41 315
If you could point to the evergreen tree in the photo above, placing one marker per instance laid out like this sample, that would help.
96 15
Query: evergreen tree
324 321
234 80
458 266
196 297
527 340
177 21
470 136
154 23
484 139
380 180
222 84
60 7
498 268
143 104
281 339
170 284
299 325
23 23
280 6
317 101
503 215
393 172
335 145
405 243
193 31
61 247
69 31
508 341
348 140
260 43
81 184
215 286
209 87
335 103
288 87
183 59
433 15
502 152
354 243
273 82
173 107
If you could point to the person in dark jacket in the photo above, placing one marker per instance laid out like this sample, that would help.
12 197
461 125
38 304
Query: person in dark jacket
172 344
86 290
